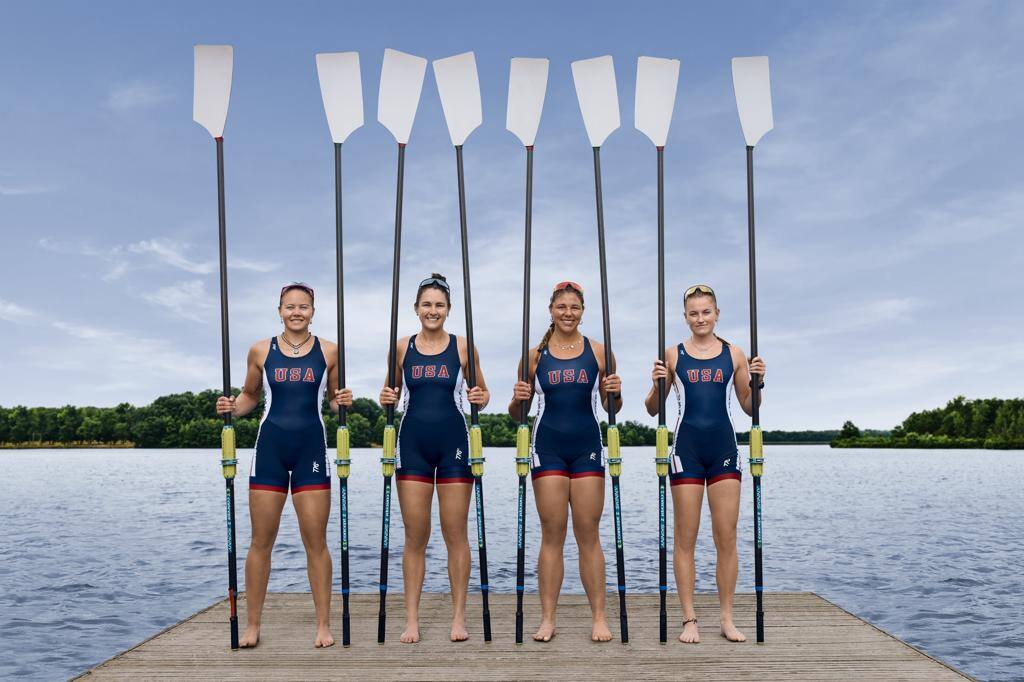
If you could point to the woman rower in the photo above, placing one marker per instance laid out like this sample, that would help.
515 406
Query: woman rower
294 368
704 450
569 374
433 448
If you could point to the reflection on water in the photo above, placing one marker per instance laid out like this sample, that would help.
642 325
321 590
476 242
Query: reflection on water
102 549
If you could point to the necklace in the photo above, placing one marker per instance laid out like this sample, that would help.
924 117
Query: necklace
570 346
296 347
702 350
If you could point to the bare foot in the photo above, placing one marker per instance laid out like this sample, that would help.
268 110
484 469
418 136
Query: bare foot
324 638
411 634
600 631
546 631
459 633
250 638
690 633
730 632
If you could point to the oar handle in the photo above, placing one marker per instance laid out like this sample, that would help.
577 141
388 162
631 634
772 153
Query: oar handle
476 450
387 461
523 450
661 459
614 451
342 460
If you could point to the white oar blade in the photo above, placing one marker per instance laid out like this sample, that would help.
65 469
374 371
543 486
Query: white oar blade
401 81
212 87
459 88
753 96
527 85
342 91
598 97
656 83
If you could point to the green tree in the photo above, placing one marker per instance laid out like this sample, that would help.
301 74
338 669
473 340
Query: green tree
849 431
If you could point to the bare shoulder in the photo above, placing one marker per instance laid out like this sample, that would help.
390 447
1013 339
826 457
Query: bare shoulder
329 347
260 349
400 345
739 358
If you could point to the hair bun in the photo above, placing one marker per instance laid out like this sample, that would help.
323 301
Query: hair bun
437 275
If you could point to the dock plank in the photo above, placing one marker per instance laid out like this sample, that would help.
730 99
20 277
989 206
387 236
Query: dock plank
807 638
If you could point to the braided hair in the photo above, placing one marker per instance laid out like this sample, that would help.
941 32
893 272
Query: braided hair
566 289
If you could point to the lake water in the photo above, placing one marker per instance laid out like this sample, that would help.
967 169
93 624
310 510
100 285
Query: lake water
103 548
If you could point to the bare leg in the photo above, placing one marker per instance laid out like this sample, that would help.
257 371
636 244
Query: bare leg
265 515
724 501
453 503
551 493
312 508
686 501
415 498
586 498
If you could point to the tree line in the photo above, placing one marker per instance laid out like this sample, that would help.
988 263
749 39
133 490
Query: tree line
992 423
186 420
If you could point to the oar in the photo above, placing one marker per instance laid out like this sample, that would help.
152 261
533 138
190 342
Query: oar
342 91
527 84
656 82
401 80
210 109
459 88
754 102
599 103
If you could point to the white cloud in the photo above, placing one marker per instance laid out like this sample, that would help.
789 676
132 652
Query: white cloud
136 95
187 300
12 312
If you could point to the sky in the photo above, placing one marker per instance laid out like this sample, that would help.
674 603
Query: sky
889 194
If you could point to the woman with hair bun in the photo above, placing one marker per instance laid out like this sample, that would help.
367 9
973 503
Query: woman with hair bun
568 374
433 449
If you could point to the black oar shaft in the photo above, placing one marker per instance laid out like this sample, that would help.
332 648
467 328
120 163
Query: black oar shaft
229 480
613 448
755 397
393 338
476 457
603 262
346 621
471 359
342 411
662 503
524 405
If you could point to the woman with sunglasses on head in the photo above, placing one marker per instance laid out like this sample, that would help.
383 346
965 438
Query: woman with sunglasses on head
704 451
292 371
433 448
568 373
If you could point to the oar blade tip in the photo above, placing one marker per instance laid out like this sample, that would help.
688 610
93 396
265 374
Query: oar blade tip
753 88
342 90
401 82
656 82
212 86
527 86
459 89
598 97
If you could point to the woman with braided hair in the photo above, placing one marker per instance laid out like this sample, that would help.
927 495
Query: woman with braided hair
568 374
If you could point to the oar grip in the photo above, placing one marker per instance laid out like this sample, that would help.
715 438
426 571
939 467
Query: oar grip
228 460
661 451
387 462
756 451
476 450
523 450
342 460
614 457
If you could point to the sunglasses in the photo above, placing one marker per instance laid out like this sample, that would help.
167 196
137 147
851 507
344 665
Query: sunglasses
568 285
434 280
297 285
699 289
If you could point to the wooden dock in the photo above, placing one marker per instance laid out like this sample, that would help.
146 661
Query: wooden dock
807 638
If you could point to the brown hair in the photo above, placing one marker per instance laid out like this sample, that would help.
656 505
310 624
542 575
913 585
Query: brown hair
435 285
566 289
